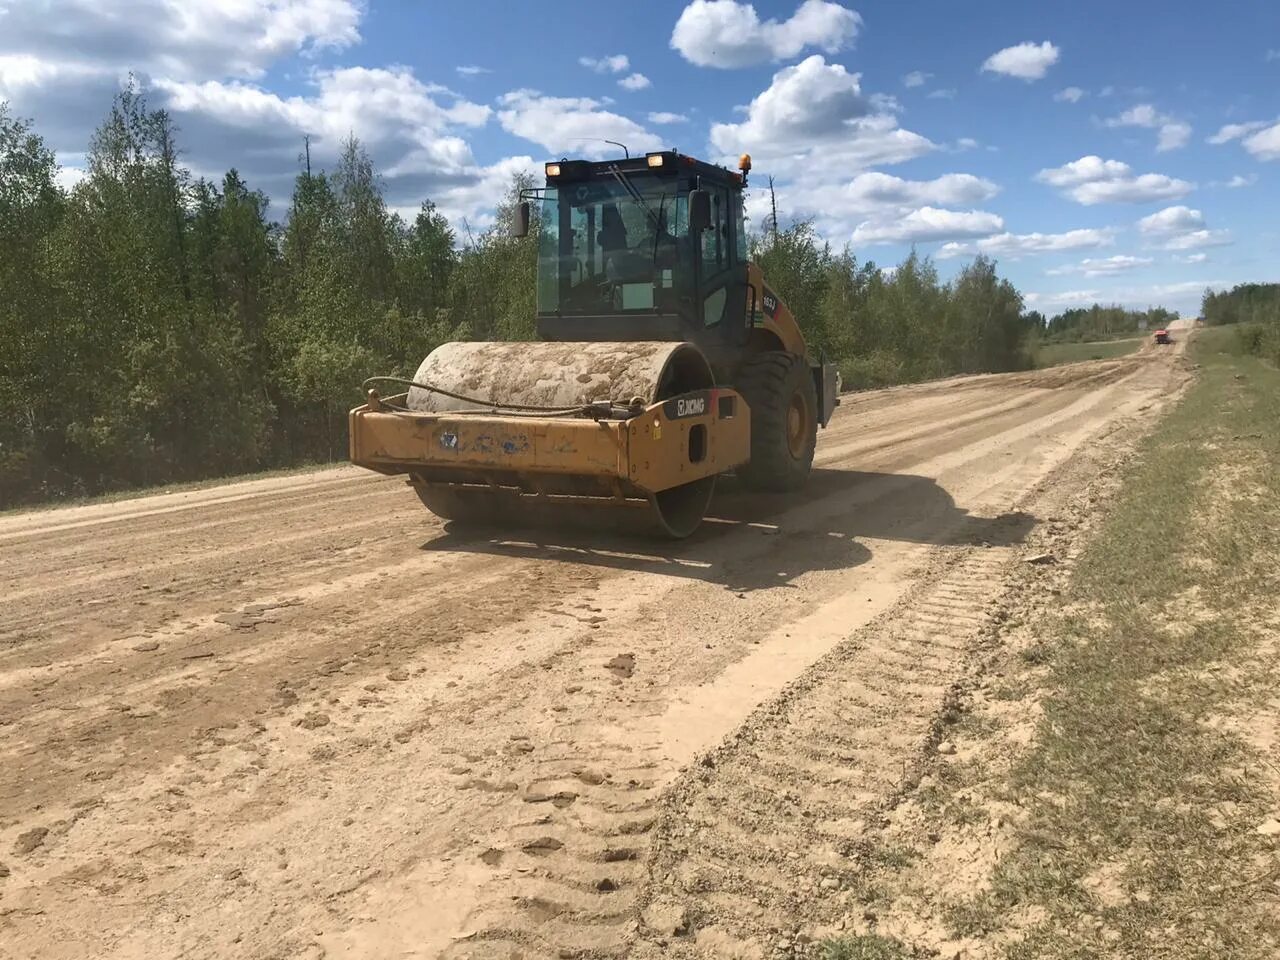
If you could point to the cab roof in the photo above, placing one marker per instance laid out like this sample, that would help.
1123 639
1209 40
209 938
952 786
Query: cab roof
660 163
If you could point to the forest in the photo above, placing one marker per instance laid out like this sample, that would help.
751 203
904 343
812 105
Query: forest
158 327
1256 307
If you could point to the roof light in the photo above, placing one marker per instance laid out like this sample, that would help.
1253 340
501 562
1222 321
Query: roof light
655 159
553 169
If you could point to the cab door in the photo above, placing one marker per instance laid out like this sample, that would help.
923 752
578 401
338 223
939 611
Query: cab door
723 268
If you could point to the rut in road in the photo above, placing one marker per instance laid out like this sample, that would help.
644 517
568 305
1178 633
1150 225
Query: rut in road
806 775
772 828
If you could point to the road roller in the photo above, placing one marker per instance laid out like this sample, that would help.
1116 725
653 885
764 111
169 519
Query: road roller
663 360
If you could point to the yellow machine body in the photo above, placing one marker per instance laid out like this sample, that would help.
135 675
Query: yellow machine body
668 444
669 432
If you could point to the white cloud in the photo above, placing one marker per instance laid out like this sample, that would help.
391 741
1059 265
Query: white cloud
412 131
872 191
1265 144
1181 228
21 72
1183 296
374 104
202 62
1199 238
925 224
1233 131
1064 298
472 70
176 39
839 206
1091 180
68 176
64 60
1238 181
570 125
814 119
662 117
873 204
966 143
473 192
1174 134
618 63
1026 61
942 93
916 78
1143 115
1175 289
1102 267
726 34
812 98
1193 258
1171 220
1085 170
634 81
1259 137
1069 95
1015 245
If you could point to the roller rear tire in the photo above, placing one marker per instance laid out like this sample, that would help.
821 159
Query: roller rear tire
783 398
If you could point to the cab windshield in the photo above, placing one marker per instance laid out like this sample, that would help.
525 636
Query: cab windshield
607 250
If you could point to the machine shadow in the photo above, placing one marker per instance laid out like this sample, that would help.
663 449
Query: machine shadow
752 541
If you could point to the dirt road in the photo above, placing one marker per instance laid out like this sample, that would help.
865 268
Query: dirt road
297 717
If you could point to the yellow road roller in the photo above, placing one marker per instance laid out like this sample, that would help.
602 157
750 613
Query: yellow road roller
663 360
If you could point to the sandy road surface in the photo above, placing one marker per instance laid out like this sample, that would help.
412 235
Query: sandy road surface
297 717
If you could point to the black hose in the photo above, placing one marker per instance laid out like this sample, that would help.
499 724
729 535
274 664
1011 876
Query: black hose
597 411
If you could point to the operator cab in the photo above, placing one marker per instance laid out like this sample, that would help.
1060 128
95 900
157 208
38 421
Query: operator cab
643 248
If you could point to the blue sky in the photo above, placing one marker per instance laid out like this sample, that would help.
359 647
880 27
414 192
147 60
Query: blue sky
1118 151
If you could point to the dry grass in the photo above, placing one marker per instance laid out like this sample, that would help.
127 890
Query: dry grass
1053 354
1140 836
1123 758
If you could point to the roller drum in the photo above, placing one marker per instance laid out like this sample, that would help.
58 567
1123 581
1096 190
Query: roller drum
562 376
557 375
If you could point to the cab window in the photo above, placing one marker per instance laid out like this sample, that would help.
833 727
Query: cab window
716 240
739 230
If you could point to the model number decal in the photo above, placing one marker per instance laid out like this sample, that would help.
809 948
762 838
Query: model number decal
770 302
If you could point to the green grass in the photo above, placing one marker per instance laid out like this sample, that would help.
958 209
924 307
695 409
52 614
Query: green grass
1162 630
1053 354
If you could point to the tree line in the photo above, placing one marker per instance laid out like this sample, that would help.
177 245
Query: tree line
1256 306
1098 322
903 325
156 326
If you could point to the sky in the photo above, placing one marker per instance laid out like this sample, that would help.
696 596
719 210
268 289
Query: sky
1122 152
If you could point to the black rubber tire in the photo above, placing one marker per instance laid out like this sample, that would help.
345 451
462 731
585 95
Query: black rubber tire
773 384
